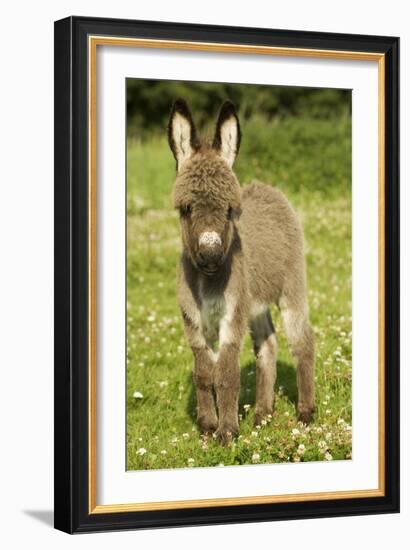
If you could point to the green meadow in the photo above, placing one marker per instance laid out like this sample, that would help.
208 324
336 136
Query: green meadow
309 159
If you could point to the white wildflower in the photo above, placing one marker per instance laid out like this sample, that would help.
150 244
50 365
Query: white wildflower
141 451
191 462
328 456
137 395
301 449
256 458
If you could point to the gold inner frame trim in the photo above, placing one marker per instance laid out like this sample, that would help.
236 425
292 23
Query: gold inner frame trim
93 42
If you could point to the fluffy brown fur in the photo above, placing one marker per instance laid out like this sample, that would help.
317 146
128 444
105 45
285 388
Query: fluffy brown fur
242 251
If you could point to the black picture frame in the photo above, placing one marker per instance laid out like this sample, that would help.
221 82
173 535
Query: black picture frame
71 385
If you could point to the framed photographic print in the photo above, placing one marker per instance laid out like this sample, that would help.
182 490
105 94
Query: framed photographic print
226 274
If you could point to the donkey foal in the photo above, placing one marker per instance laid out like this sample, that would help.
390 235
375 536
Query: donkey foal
242 251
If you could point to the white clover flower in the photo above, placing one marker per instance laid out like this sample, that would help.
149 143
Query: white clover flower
328 436
163 383
147 339
221 464
254 434
137 395
151 318
295 432
263 422
191 462
256 458
328 411
164 452
301 449
286 413
340 421
322 445
328 456
185 435
141 451
247 407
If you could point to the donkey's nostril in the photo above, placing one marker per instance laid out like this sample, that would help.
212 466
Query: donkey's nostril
201 258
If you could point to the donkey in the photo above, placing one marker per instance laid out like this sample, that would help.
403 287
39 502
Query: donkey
242 251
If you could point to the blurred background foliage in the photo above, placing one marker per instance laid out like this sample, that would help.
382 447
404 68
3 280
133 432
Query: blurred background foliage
149 102
298 139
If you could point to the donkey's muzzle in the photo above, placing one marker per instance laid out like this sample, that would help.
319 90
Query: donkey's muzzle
209 258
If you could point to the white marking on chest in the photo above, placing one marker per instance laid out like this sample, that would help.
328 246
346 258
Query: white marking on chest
216 319
209 238
212 311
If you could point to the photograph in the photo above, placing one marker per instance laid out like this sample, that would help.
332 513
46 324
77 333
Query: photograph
239 274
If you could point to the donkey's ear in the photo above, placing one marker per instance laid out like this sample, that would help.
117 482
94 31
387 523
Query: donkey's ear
227 133
182 136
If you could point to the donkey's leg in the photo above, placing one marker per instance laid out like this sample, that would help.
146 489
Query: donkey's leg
204 368
204 376
227 384
301 339
265 346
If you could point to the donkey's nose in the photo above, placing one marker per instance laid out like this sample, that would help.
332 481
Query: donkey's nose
210 250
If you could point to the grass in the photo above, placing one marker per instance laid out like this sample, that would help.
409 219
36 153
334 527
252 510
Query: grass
310 161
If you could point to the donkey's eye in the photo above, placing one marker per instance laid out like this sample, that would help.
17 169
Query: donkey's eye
185 211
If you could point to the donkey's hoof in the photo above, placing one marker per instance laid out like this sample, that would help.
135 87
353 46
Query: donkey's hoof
305 414
259 417
208 424
225 435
